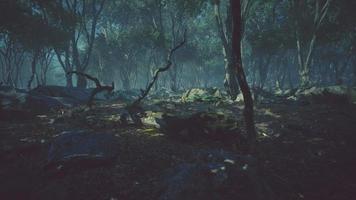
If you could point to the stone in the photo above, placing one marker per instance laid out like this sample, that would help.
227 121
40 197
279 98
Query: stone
326 95
201 126
12 99
78 94
202 95
212 177
42 104
81 148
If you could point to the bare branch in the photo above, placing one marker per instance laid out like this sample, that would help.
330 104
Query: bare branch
95 80
159 70
99 87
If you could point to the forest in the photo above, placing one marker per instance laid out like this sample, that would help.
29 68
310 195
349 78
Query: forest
178 99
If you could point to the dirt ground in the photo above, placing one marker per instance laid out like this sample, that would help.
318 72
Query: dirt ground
307 152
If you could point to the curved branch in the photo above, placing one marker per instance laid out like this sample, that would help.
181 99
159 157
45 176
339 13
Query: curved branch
87 76
99 88
159 70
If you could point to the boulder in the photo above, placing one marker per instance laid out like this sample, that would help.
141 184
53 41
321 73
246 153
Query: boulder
78 94
150 118
326 95
187 181
202 95
40 100
239 98
81 149
198 127
11 99
262 96
161 93
125 95
216 175
42 104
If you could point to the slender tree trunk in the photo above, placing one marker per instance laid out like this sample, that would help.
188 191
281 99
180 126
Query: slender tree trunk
69 80
126 83
81 81
66 66
230 80
236 49
263 70
320 13
173 76
33 69
353 62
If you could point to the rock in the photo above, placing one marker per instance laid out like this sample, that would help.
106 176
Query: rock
239 99
214 176
43 104
125 95
262 96
81 149
68 102
12 99
18 100
150 117
187 181
163 93
202 95
326 95
78 94
198 127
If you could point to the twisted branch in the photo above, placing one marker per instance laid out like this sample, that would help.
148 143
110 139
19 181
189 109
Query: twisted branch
145 92
99 88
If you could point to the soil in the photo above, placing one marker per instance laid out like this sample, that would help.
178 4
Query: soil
305 151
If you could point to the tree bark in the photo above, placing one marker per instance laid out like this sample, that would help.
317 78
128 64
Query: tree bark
319 16
97 89
245 89
158 71
33 69
230 80
353 62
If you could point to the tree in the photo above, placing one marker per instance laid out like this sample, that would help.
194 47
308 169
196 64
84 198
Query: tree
245 89
36 25
230 80
12 57
45 60
87 13
304 54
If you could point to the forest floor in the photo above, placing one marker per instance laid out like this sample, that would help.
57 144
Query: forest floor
307 152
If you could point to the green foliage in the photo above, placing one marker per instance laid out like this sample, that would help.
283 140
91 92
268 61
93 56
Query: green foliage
35 24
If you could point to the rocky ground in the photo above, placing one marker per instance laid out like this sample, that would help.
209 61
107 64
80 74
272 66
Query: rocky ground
188 148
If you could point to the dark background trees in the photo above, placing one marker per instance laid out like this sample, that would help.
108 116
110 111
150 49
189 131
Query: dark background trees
285 44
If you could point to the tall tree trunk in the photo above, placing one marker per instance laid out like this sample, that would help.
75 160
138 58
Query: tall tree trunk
320 13
353 62
236 49
66 65
33 69
230 80
173 76
81 81
69 80
126 83
231 83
